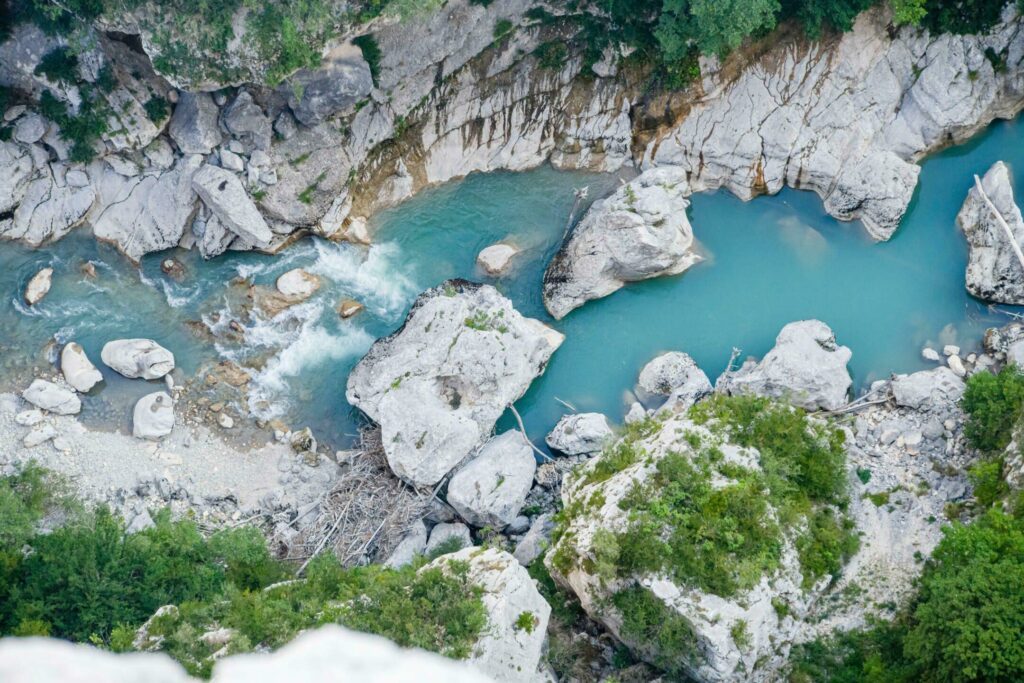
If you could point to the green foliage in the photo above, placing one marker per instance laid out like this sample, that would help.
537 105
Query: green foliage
60 65
987 478
908 11
371 53
82 130
290 35
960 16
502 28
818 16
872 655
831 541
525 622
715 26
552 54
993 404
157 109
655 628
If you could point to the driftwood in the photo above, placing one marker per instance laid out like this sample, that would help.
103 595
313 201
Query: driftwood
1002 222
522 430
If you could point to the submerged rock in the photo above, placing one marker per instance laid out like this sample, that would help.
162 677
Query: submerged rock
153 417
993 271
491 488
517 615
580 433
52 397
77 369
674 377
639 232
349 307
439 384
495 259
137 358
38 286
806 367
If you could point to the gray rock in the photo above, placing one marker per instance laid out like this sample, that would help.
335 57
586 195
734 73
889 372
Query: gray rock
137 358
993 271
536 540
52 397
193 125
491 488
223 193
38 286
30 129
297 284
495 259
439 384
231 161
245 120
285 126
153 417
47 209
674 377
342 79
413 544
39 436
580 433
444 531
806 367
928 389
636 413
77 369
519 525
930 354
957 366
212 238
639 232
28 418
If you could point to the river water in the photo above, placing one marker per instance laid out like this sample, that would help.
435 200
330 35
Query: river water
768 262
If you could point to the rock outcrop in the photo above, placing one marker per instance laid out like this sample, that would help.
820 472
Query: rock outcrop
137 358
77 369
927 389
52 398
517 615
580 433
639 232
674 380
495 259
193 126
439 384
806 367
153 417
490 489
994 273
223 193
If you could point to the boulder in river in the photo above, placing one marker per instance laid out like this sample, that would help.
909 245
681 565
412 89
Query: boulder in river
38 286
137 358
52 397
994 273
806 367
439 384
928 389
77 369
580 433
639 232
348 308
297 284
222 192
153 417
495 259
675 378
491 488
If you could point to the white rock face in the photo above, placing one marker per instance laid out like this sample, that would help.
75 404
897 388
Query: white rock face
639 232
806 367
993 271
325 655
38 286
847 119
495 259
52 397
223 193
438 385
137 358
445 531
535 541
47 210
491 488
414 543
298 284
153 417
927 389
193 125
506 652
580 433
77 369
675 378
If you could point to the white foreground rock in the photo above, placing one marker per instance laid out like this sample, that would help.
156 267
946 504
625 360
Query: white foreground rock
675 378
495 259
517 615
993 271
137 358
77 369
491 488
52 397
38 286
153 417
806 367
639 232
439 384
580 433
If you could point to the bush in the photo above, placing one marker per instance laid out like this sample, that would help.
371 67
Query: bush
60 65
371 53
987 478
157 109
649 624
993 404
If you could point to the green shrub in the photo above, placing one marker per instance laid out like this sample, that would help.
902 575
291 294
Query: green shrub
987 478
993 405
872 655
502 28
60 65
371 53
157 109
652 627
552 55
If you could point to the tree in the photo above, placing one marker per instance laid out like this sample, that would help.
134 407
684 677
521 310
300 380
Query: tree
715 26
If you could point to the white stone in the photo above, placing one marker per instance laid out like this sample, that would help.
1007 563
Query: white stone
445 531
30 129
931 354
28 418
225 421
674 377
298 284
52 398
38 286
223 193
153 417
193 125
495 259
993 271
951 350
231 161
580 433
137 358
411 545
956 365
491 488
928 389
77 369
39 436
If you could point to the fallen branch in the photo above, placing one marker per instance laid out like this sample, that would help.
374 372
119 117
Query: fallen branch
522 430
1002 222
567 405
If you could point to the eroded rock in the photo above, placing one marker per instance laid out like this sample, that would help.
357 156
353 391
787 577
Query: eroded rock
137 358
491 488
580 433
52 397
38 286
153 417
993 271
77 369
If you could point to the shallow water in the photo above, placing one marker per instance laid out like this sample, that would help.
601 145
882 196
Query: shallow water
769 261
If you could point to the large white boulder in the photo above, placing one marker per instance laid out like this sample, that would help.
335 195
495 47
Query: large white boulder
517 615
495 259
491 488
439 384
52 397
38 286
297 284
806 367
927 389
153 417
674 378
993 271
639 232
193 125
222 192
580 433
137 358
77 369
